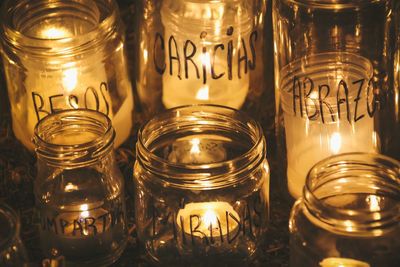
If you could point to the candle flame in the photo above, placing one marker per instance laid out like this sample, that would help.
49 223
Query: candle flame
203 93
335 142
70 79
373 202
84 208
195 146
210 218
54 33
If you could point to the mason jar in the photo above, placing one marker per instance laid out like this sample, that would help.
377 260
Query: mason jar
349 213
206 52
79 189
64 54
202 187
332 82
12 251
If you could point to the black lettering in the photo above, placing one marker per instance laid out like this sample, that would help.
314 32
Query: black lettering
89 223
183 229
52 109
340 100
63 224
51 223
371 110
103 90
252 41
104 220
77 227
174 57
258 209
247 217
189 58
307 98
357 118
213 75
243 58
323 102
95 98
230 53
195 229
38 107
159 69
231 239
205 59
296 83
73 101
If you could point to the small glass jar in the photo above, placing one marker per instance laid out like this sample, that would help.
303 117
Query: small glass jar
332 82
349 214
206 52
12 251
65 54
79 189
202 183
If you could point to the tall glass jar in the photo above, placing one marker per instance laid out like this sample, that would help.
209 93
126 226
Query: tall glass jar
79 189
331 76
64 54
202 182
12 251
349 214
206 52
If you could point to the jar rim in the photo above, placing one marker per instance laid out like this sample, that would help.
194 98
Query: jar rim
353 221
61 46
73 154
333 4
195 176
10 216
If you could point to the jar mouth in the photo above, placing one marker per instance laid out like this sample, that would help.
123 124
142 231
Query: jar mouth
10 226
333 4
201 146
57 27
354 194
72 138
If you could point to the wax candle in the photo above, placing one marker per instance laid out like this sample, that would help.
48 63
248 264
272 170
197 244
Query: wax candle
208 61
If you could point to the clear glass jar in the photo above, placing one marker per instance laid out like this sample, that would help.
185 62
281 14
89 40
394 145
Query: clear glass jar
65 54
332 82
202 182
206 52
79 189
12 251
349 214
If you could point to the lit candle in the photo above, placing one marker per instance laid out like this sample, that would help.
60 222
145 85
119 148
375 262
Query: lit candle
209 222
326 112
207 62
342 262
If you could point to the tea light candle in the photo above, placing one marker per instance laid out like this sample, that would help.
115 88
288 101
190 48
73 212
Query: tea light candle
209 221
342 262
208 61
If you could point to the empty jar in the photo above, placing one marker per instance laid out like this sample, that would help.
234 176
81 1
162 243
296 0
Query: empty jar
349 213
202 182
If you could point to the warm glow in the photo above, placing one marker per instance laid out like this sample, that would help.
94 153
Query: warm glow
84 208
54 33
209 218
335 143
203 93
195 146
70 79
70 187
342 262
373 202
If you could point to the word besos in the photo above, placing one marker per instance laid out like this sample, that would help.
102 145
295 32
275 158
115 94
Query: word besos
249 222
237 55
89 98
350 100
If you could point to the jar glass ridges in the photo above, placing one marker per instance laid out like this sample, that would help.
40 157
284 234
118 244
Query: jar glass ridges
331 76
79 189
65 55
349 213
202 186
12 251
206 52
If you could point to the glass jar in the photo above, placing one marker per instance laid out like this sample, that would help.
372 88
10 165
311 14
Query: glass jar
202 182
349 213
65 54
331 76
79 189
206 52
12 251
